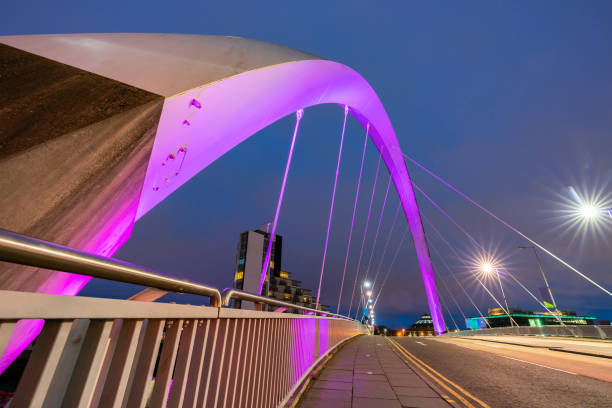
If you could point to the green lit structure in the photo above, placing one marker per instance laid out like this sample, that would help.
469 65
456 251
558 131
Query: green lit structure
497 317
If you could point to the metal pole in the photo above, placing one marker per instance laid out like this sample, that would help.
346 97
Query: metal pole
543 275
504 296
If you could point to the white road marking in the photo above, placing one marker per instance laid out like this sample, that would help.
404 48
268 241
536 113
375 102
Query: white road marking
539 365
422 344
490 345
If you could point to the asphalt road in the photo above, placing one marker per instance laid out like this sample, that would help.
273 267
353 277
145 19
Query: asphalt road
517 376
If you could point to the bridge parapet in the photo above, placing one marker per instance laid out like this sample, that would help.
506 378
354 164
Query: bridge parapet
593 331
99 352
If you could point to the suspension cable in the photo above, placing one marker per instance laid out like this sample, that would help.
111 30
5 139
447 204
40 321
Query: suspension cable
382 257
266 264
365 232
474 275
348 246
506 224
380 218
453 298
441 258
448 312
481 248
331 207
397 251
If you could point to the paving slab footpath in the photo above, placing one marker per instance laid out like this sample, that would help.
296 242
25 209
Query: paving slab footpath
368 373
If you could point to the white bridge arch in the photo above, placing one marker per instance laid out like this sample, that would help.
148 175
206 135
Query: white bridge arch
217 92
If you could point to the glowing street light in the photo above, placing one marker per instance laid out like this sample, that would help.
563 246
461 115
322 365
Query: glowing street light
486 267
589 209
369 293
489 269
367 284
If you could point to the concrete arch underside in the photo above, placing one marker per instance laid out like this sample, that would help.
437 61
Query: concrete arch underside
186 100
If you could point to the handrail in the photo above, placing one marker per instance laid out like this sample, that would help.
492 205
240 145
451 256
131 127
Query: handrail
231 293
23 250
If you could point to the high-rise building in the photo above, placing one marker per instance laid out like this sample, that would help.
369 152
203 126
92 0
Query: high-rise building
250 255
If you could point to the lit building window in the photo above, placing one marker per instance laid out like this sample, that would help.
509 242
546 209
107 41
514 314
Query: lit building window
287 296
284 274
271 264
239 275
269 293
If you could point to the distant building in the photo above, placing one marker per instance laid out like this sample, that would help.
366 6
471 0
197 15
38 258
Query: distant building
250 255
422 327
497 317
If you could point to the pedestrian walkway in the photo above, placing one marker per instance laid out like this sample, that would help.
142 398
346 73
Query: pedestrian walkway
368 373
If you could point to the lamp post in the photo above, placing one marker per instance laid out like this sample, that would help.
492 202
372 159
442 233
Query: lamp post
489 269
366 295
543 275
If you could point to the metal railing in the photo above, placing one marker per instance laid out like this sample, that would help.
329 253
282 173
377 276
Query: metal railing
95 352
231 293
23 250
594 331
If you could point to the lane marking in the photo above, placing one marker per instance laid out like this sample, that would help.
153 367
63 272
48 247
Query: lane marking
433 373
459 397
539 365
491 345
422 344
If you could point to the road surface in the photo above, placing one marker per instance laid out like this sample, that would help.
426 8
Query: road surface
504 375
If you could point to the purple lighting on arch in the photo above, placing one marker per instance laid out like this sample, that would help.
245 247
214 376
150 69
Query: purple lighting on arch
266 264
234 113
237 108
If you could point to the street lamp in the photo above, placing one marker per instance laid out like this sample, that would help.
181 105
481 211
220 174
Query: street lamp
554 303
588 211
488 268
591 209
367 284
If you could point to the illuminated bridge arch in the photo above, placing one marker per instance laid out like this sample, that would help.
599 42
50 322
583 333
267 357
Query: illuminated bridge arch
214 92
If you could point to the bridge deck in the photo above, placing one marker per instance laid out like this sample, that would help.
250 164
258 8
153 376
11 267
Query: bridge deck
368 372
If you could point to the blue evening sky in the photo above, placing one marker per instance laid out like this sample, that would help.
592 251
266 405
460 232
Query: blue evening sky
509 101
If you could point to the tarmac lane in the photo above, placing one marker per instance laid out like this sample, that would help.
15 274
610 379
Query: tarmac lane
493 374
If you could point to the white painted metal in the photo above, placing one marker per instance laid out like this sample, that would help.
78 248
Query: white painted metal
197 364
87 369
145 363
114 390
159 397
6 330
183 361
103 352
32 391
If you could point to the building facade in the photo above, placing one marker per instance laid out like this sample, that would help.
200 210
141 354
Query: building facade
422 327
250 255
497 317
